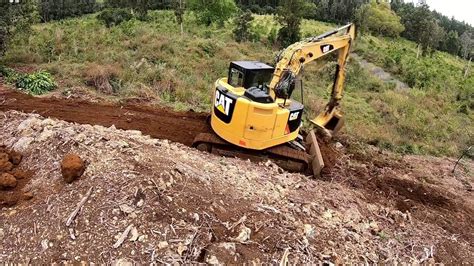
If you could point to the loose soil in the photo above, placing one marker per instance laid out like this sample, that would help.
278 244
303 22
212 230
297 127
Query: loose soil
13 178
186 206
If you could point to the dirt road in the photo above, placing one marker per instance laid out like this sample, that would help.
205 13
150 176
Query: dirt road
158 123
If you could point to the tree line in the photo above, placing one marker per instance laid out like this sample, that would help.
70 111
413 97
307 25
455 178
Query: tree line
430 29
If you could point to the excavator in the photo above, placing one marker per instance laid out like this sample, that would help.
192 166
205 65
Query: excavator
253 112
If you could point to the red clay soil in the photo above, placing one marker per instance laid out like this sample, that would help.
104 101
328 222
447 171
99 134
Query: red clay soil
12 179
160 123
156 122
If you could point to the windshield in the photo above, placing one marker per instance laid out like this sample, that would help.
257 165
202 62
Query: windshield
259 78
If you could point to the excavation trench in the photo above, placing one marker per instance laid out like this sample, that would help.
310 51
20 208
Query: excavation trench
159 123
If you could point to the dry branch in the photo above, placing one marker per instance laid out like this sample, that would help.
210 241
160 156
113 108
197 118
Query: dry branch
123 236
78 208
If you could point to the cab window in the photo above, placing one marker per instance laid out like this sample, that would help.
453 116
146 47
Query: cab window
236 78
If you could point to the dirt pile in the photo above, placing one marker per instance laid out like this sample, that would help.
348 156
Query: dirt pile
146 200
12 178
72 167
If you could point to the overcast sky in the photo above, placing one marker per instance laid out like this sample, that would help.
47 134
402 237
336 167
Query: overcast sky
462 10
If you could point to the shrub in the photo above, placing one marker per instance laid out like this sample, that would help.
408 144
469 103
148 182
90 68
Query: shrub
114 16
213 11
103 78
37 83
242 27
379 19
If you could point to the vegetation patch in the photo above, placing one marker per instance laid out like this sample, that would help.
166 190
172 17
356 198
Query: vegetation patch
36 83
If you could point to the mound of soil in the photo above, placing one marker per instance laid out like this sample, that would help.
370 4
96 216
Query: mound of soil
7 181
72 167
12 178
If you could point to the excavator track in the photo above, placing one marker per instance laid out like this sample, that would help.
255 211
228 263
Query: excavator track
284 156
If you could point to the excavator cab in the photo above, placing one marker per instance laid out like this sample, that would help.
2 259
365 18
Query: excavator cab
254 77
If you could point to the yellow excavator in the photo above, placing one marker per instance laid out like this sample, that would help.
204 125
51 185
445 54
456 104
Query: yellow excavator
253 112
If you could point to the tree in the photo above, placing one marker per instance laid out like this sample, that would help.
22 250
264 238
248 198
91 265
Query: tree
339 11
179 8
242 26
15 18
378 18
289 15
467 44
213 11
451 43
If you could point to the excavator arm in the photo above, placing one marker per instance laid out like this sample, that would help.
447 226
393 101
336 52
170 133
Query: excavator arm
293 59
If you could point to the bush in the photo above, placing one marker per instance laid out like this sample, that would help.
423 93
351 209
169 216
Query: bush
379 19
114 16
103 78
214 11
37 83
242 27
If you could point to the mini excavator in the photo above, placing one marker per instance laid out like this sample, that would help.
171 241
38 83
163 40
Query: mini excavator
253 112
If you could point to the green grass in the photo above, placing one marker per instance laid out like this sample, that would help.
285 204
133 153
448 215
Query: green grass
153 61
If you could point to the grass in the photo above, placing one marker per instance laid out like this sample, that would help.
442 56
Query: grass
153 61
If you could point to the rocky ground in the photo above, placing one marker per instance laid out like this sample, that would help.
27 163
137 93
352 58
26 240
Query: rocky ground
147 200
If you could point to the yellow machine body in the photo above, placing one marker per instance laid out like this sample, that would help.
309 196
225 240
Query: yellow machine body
253 125
254 110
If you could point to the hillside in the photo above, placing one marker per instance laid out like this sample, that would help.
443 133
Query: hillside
152 63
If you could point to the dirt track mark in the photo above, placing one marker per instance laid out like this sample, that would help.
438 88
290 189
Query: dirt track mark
156 122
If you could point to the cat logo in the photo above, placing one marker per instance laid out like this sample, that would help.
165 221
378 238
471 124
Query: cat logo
326 48
294 116
223 102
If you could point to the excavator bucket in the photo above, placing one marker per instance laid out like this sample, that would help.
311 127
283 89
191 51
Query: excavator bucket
316 161
329 123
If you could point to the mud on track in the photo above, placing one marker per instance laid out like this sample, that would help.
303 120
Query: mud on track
156 122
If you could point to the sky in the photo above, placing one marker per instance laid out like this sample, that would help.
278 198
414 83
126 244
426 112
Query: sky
462 10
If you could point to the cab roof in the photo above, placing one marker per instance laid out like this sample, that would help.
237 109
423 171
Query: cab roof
252 65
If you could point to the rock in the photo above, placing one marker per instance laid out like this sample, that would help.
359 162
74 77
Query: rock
226 251
7 181
45 135
374 227
339 145
19 174
122 262
22 144
27 195
134 234
212 260
126 209
244 234
72 167
15 157
308 230
162 244
29 126
2 234
5 166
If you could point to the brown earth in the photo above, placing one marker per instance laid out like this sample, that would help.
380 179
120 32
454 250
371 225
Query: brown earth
372 207
72 167
12 178
156 122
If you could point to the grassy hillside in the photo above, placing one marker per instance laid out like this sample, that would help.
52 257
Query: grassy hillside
153 62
